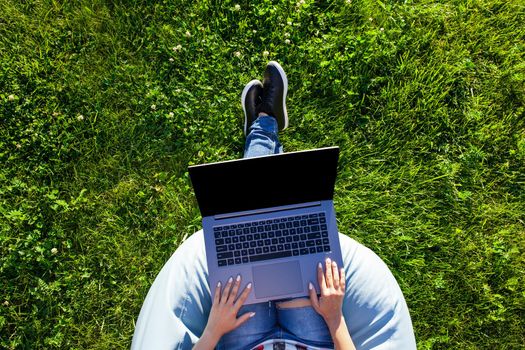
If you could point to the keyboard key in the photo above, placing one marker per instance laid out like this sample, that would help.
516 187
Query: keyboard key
289 224
314 228
217 234
236 253
257 236
303 251
246 245
266 249
264 235
325 240
245 259
273 248
249 237
299 230
322 220
313 221
302 244
235 239
293 231
296 224
323 227
267 242
318 242
231 247
295 245
275 241
287 246
281 226
230 262
253 229
321 214
310 243
286 232
253 244
224 234
324 234
238 246
319 249
228 240
237 260
258 250
251 251
326 248
242 238
222 262
246 230
313 215
314 235
219 241
217 228
281 240
312 250
270 256
233 226
260 243
278 233
240 225
280 248
289 239
271 234
244 252
224 255
231 233
295 252
221 248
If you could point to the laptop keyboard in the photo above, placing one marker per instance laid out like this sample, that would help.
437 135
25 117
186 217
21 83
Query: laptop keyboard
271 239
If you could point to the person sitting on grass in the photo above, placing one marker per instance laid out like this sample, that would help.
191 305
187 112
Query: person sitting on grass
360 304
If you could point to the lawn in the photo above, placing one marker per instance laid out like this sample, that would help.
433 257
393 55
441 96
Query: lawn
104 104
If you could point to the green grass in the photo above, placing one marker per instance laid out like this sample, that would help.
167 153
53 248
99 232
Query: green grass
428 113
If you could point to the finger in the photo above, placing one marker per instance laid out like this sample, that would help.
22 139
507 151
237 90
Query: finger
235 289
328 272
313 297
320 277
335 275
217 296
243 297
245 317
342 281
226 291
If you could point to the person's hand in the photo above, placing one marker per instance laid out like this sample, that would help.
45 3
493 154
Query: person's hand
223 314
332 284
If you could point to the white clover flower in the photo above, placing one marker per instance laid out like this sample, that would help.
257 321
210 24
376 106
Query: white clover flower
265 53
54 251
237 7
177 48
11 97
237 54
56 114
153 107
188 34
289 23
171 114
254 31
178 91
18 146
287 35
382 29
370 19
287 41
80 117
171 59
348 2
5 303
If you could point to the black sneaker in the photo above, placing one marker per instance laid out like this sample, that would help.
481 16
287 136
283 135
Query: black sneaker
274 97
250 98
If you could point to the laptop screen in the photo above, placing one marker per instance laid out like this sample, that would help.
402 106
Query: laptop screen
264 182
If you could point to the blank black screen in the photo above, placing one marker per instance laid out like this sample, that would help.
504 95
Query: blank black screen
262 182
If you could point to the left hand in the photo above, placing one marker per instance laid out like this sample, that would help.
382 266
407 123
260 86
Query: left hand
223 314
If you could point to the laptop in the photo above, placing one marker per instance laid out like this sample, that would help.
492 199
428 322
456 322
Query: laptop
270 219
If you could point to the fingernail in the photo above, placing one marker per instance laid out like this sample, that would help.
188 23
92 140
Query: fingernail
334 263
252 314
238 278
328 261
219 284
310 286
249 285
319 266
230 280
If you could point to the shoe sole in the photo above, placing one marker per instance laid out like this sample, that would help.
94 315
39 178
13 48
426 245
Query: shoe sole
285 83
247 88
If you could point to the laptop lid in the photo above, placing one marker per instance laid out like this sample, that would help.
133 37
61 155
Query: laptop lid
265 182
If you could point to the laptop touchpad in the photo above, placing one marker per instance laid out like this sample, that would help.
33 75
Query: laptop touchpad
277 279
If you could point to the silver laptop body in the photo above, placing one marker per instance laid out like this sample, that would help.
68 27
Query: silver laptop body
270 219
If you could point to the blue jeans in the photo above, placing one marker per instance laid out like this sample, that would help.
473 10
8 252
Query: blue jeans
302 324
176 309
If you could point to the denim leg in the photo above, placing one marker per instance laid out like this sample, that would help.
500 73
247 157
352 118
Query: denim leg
262 139
259 328
305 325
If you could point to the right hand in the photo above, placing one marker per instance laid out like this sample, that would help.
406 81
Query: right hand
332 284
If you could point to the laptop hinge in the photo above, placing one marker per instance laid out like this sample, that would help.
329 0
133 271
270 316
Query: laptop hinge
266 210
